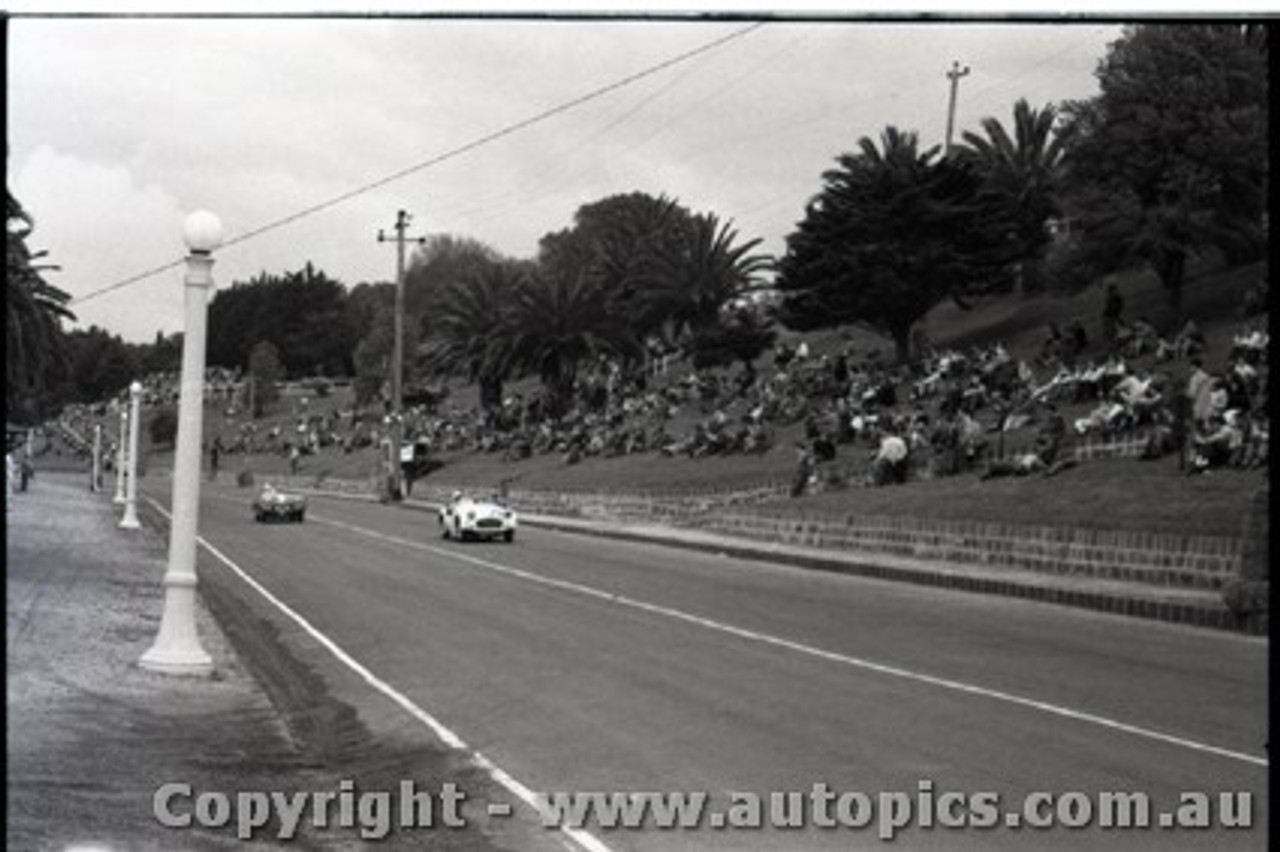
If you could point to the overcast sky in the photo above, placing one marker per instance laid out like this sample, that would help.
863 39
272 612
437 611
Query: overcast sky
120 127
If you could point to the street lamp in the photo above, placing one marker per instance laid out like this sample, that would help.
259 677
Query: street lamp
120 453
130 519
95 475
177 647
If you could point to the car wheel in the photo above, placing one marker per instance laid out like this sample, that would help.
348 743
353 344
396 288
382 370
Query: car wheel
509 536
257 517
298 517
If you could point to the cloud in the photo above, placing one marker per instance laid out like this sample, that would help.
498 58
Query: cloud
100 226
118 125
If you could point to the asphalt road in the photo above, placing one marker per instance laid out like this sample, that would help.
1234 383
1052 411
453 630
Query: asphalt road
583 664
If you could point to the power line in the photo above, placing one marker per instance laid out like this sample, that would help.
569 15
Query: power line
549 185
448 155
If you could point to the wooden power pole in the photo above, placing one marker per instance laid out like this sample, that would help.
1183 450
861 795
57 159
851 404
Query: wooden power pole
954 76
397 355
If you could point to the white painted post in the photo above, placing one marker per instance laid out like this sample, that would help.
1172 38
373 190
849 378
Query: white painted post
177 648
130 519
120 456
95 484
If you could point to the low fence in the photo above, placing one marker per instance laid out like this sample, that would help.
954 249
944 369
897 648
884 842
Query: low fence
1205 562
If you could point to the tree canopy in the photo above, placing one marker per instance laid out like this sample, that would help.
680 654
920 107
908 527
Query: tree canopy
34 312
894 231
1023 171
302 313
1171 157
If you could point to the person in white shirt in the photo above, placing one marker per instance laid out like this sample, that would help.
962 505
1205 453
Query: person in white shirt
10 474
890 462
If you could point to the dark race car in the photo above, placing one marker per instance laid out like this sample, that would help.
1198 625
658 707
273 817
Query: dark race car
273 505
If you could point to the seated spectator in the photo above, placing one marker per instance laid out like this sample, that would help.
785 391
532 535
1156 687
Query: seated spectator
1162 440
1020 464
1218 446
1257 441
824 449
889 464
1141 396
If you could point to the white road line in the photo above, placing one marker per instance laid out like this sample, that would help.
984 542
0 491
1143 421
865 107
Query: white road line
583 839
776 641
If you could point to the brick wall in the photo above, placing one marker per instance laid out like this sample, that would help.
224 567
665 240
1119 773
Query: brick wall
1165 559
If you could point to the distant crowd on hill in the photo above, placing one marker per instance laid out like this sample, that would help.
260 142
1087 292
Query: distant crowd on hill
859 419
947 413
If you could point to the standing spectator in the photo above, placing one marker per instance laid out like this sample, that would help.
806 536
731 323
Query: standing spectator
215 450
1112 311
805 467
1199 391
26 472
295 455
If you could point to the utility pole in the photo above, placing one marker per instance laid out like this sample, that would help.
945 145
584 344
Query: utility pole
397 356
954 76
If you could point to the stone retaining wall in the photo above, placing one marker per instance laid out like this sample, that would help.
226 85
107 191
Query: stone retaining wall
1205 562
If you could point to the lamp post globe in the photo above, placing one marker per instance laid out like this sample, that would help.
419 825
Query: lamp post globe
202 232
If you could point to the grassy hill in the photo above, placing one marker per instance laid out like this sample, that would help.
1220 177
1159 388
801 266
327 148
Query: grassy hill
1115 494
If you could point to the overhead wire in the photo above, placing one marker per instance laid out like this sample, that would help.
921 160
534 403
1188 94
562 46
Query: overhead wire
548 186
453 153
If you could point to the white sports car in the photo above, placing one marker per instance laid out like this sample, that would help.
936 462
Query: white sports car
465 518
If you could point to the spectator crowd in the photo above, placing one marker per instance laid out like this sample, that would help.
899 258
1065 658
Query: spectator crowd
851 416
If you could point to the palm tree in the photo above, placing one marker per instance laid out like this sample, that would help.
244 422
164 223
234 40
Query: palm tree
34 311
559 322
469 321
894 232
1024 171
688 284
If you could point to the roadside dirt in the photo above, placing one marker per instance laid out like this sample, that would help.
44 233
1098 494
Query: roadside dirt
91 736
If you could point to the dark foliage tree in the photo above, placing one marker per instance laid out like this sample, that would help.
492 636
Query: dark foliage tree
471 324
99 365
302 313
740 335
614 242
559 323
34 312
894 232
690 279
265 370
1171 158
372 357
1023 171
164 355
444 260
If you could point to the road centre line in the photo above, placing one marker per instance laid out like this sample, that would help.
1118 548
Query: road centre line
584 839
812 651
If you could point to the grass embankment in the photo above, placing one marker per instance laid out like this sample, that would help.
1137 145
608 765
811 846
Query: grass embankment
1115 494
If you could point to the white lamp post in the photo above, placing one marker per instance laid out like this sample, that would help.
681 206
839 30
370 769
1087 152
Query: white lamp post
177 647
130 519
95 482
120 455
